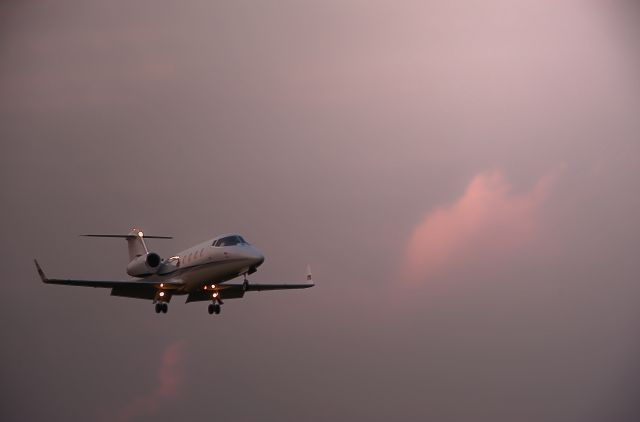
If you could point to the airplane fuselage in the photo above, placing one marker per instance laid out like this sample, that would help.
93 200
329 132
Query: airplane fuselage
206 263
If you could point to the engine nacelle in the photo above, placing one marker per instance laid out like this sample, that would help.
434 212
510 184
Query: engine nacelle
144 265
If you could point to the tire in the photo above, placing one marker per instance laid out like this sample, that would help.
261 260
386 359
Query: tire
165 308
210 309
158 308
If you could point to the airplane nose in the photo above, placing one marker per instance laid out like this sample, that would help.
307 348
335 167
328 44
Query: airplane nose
260 260
256 256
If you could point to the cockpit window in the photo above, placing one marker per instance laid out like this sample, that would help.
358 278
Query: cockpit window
230 241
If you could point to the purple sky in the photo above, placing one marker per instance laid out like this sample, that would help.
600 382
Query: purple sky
461 176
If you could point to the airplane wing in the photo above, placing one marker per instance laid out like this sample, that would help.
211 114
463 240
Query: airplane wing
256 287
237 291
143 289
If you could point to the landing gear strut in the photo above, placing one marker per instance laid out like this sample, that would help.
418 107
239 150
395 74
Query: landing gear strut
162 307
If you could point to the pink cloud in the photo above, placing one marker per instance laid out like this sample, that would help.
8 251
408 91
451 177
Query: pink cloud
485 224
169 383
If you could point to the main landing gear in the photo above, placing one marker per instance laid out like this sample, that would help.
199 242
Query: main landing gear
162 307
214 308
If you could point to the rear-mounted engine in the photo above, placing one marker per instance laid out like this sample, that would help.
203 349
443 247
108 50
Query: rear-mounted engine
144 265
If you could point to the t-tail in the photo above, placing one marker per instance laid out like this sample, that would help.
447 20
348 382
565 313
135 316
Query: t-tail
141 262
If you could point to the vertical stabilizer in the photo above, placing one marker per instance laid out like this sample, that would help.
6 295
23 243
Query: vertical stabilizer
135 244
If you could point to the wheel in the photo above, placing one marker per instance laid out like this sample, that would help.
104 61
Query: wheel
210 308
158 308
216 308
165 308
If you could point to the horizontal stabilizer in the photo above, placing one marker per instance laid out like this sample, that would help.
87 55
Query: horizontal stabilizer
126 236
135 241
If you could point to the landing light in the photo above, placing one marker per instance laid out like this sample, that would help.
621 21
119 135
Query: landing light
140 234
213 286
161 284
161 294
214 294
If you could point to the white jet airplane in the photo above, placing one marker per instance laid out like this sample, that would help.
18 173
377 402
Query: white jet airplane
201 272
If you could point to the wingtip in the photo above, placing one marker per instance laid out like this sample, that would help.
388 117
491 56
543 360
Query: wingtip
40 272
309 277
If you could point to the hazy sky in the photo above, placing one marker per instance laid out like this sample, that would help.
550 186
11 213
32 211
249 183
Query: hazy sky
462 177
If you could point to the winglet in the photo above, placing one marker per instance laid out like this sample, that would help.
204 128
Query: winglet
40 272
309 278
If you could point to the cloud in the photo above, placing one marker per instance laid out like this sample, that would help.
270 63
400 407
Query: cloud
169 383
485 224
